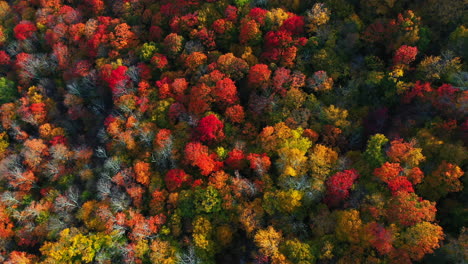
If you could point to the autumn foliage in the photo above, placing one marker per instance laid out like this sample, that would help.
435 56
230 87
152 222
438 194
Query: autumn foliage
233 131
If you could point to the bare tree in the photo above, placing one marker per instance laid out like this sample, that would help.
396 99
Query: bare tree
119 200
73 195
104 187
56 224
188 257
8 198
112 164
101 152
63 204
51 169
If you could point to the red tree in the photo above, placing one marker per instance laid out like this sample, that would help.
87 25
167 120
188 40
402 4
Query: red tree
388 171
24 30
115 78
258 14
338 186
200 99
235 113
226 91
400 183
259 76
405 55
4 58
196 154
259 162
210 129
380 237
175 178
294 25
407 209
235 159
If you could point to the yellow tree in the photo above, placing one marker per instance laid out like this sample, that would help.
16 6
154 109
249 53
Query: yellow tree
349 226
421 239
268 240
162 252
76 247
321 161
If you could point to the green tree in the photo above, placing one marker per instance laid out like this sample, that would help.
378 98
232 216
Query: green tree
7 90
374 154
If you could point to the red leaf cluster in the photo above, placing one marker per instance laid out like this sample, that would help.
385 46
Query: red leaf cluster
338 186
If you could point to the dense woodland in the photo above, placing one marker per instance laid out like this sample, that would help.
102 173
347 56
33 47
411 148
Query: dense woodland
233 131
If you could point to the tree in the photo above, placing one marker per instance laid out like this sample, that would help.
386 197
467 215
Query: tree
268 240
24 30
443 180
297 251
338 186
335 116
175 178
95 215
236 159
226 92
147 50
291 162
207 200
142 172
407 209
5 59
259 76
405 55
388 171
202 232
321 161
235 113
6 226
250 215
73 246
123 37
218 180
210 129
201 99
194 60
178 88
380 237
94 6
115 78
421 239
136 192
7 90
294 24
399 184
289 201
162 252
405 153
234 68
196 154
349 226
250 33
280 47
320 82
33 152
316 17
173 44
159 61
20 257
374 154
259 162
415 175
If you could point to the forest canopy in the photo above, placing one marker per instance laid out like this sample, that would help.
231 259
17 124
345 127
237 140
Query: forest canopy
233 131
